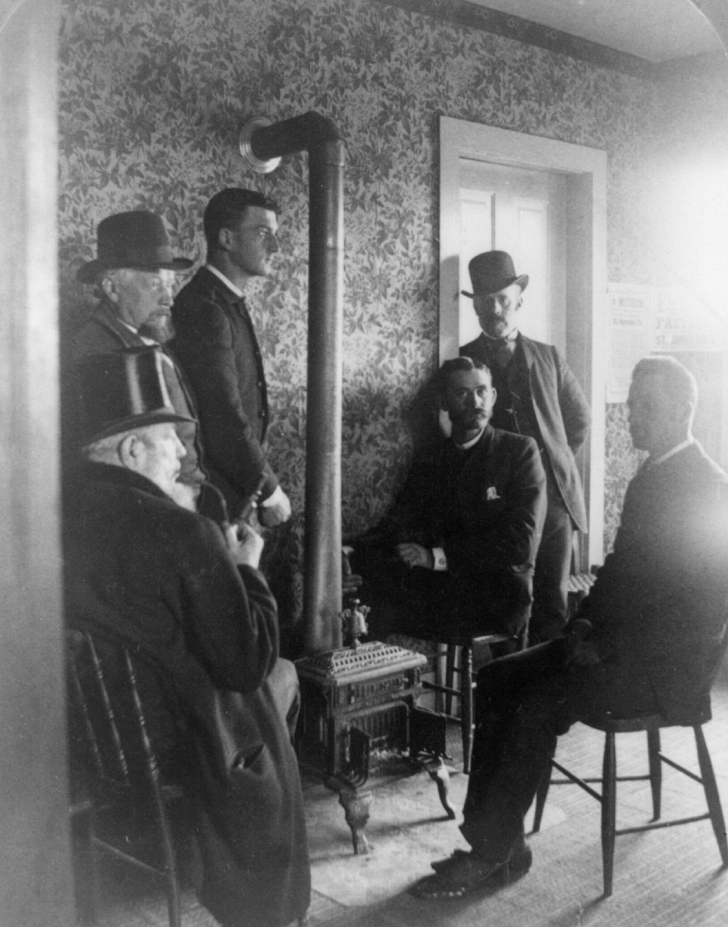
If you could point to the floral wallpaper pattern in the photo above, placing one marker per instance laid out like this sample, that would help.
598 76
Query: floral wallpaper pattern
153 94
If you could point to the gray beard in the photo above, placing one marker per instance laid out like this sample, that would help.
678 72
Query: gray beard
159 328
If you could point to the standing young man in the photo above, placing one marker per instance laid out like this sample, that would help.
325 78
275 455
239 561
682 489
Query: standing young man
218 349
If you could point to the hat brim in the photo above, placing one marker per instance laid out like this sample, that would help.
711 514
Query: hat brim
89 271
522 281
130 422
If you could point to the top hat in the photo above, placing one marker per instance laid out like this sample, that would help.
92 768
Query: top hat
124 391
135 239
493 271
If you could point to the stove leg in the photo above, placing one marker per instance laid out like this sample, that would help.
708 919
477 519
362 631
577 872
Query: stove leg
356 810
437 771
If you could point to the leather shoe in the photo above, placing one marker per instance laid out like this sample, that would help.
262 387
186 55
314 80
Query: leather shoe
465 874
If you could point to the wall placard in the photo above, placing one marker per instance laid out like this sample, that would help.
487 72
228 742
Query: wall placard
631 313
683 322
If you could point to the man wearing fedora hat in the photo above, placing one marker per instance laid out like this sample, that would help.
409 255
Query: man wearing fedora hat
539 396
191 604
134 272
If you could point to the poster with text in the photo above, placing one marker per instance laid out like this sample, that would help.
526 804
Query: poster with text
631 312
684 322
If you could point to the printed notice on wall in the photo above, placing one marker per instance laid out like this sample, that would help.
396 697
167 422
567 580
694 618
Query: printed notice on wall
630 334
684 323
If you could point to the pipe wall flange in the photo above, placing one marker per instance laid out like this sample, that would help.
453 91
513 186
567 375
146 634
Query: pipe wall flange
246 150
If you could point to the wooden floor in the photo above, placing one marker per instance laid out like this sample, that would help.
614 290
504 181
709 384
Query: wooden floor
665 878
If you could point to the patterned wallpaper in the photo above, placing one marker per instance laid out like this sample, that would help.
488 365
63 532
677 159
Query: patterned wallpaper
153 94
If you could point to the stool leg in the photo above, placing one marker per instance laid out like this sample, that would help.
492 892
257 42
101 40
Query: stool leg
653 752
449 675
466 684
711 793
609 810
541 794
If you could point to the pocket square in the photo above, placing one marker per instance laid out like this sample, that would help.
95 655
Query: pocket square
491 494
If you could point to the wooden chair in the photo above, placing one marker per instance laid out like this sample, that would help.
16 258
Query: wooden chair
129 813
651 724
458 662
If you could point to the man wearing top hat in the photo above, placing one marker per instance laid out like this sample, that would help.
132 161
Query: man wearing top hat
200 620
134 273
539 396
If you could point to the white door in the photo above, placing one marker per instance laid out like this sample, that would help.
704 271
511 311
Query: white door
520 211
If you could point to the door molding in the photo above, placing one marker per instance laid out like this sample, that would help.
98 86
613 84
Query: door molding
585 170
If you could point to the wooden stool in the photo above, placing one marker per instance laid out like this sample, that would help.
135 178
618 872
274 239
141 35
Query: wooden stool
459 661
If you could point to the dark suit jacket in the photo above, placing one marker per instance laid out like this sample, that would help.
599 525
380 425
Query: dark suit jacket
658 607
142 571
103 333
487 515
562 413
217 347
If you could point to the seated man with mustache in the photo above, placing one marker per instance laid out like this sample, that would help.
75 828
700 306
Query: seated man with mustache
455 556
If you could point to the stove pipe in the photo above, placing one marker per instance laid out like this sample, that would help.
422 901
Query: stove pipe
260 143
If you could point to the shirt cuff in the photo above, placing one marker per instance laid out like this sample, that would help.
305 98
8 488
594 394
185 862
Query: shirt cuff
275 498
439 558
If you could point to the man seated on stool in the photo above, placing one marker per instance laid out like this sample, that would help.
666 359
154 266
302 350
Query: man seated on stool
200 620
643 641
454 558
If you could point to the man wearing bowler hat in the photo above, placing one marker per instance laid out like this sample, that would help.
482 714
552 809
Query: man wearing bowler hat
539 396
190 603
134 273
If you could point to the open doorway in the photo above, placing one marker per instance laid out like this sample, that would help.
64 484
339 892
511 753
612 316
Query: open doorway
557 220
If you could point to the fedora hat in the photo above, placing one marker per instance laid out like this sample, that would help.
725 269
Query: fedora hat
135 239
123 391
491 272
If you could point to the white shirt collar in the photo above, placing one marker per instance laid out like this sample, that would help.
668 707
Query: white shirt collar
149 341
228 283
511 336
471 443
675 450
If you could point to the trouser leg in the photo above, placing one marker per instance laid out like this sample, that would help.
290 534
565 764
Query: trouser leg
551 576
519 702
283 681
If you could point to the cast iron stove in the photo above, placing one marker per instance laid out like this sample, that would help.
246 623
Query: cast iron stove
359 702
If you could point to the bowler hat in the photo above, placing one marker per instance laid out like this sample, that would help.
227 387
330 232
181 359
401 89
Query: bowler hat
124 391
492 271
135 239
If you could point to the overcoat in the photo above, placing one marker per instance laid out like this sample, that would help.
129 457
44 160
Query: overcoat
143 571
103 333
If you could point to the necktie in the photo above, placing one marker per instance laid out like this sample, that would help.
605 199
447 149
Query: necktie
501 352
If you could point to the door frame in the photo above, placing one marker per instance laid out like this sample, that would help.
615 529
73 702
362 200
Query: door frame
585 170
